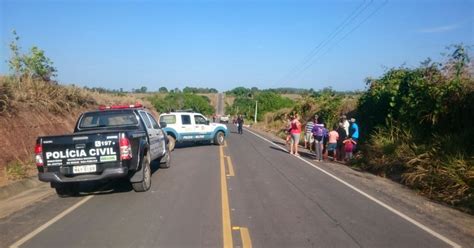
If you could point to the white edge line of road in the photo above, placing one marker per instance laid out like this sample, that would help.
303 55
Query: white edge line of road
414 222
49 223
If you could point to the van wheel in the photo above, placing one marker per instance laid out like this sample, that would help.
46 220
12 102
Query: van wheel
66 189
219 138
171 142
165 161
146 183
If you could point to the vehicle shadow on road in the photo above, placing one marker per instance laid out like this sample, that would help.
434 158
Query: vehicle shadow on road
121 185
192 144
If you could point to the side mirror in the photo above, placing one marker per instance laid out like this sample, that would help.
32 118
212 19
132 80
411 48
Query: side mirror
162 124
207 122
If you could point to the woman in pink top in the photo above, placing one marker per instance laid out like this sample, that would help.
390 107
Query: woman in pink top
295 132
333 137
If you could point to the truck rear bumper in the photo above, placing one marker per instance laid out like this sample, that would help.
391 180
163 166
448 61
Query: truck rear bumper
108 173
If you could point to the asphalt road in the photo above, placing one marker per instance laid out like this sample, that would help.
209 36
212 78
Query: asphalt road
248 193
220 104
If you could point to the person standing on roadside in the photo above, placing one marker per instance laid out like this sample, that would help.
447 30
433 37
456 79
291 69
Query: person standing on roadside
240 124
295 132
318 134
308 136
340 145
345 124
354 132
288 120
325 141
349 144
332 145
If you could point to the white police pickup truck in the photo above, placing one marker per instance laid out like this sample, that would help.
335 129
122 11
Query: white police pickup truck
184 126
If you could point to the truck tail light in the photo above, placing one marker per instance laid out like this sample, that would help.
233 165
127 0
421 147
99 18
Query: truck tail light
125 148
39 155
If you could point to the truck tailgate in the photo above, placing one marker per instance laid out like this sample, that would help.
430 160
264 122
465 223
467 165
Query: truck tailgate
80 153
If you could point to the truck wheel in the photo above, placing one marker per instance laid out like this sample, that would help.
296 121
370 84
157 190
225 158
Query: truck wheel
146 183
165 161
171 142
66 189
219 138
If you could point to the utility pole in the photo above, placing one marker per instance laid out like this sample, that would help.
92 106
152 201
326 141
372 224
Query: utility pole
256 108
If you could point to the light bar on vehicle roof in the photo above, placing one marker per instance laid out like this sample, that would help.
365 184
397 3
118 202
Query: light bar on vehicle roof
136 105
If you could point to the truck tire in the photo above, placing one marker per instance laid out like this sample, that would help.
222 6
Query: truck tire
146 170
165 161
171 142
219 138
66 189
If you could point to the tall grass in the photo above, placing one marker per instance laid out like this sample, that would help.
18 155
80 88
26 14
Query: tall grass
52 97
43 95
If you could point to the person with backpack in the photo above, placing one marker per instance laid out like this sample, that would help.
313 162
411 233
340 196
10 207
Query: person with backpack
318 133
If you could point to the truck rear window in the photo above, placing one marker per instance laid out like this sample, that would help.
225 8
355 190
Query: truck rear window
108 119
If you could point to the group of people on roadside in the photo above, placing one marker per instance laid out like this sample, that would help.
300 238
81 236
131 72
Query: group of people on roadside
339 143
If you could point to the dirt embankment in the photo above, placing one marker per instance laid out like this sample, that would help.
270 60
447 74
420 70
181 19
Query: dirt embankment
19 133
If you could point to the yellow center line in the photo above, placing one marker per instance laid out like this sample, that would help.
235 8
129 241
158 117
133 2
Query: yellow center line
244 234
231 167
226 225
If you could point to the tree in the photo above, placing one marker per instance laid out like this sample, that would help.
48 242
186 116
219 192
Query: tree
142 89
163 90
35 64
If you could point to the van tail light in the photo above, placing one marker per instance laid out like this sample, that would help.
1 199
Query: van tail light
125 148
39 155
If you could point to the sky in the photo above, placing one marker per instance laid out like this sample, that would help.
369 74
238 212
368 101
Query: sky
225 44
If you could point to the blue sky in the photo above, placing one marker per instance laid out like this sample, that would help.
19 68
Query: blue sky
225 44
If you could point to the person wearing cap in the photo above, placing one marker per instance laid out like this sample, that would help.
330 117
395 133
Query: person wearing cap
354 132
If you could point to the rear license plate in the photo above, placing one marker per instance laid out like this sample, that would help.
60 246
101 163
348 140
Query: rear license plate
84 169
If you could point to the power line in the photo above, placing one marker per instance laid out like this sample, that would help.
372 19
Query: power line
354 14
345 36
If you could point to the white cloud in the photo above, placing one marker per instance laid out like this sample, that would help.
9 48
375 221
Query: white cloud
439 29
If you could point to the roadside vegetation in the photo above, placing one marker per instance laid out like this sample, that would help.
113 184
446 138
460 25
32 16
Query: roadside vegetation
419 128
245 100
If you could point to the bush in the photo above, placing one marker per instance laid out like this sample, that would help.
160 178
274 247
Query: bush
176 101
268 101
420 128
